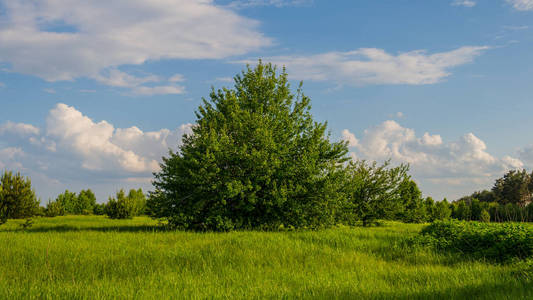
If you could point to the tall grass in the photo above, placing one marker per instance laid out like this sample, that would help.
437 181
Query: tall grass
94 257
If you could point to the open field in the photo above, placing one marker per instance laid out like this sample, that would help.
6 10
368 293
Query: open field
77 257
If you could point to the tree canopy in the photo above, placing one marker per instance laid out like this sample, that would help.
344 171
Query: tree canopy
255 159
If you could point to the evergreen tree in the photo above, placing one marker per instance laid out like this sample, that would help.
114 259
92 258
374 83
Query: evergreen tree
17 198
255 159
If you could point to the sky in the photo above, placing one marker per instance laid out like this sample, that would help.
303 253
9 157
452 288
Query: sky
94 93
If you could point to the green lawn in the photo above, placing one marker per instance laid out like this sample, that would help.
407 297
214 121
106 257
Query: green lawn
93 257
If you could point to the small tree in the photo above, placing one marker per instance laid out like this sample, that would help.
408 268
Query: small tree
442 210
484 216
86 202
54 209
17 198
121 207
69 201
374 191
139 200
412 209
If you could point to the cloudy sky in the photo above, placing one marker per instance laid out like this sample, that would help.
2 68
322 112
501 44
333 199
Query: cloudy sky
93 93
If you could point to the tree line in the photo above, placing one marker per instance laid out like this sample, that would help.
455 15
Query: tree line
510 199
18 201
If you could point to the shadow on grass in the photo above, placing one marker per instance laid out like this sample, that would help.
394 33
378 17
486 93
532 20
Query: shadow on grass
509 290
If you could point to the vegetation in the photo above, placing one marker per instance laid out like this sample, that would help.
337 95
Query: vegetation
374 192
510 200
255 159
500 242
126 207
17 198
95 257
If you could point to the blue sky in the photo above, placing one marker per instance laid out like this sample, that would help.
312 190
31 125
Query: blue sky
92 93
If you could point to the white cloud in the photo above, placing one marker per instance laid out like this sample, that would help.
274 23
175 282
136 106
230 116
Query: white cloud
75 152
276 3
50 91
521 4
159 90
2 85
176 78
19 129
63 40
466 3
224 79
117 78
368 66
101 147
350 138
464 161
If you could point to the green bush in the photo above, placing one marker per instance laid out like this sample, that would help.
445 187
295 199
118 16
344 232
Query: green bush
492 241
125 207
121 207
54 209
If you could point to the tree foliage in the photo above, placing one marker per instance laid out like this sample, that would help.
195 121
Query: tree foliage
374 191
17 198
124 206
255 159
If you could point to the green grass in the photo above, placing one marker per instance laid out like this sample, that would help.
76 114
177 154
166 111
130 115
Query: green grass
78 257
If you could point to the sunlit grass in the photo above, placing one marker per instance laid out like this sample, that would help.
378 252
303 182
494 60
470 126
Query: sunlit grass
94 257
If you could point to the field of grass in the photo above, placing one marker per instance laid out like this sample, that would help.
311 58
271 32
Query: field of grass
91 257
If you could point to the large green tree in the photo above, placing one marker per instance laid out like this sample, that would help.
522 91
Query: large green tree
17 198
255 159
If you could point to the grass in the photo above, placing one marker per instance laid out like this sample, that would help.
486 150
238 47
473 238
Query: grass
91 257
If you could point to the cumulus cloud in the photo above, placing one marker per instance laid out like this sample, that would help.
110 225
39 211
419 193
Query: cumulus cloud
64 40
464 161
521 4
76 152
18 129
368 66
101 147
466 3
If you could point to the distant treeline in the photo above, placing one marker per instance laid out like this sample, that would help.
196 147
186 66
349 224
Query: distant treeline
510 199
121 206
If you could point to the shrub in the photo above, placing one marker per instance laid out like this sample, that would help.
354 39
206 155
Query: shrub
99 209
54 209
125 207
120 207
17 198
493 241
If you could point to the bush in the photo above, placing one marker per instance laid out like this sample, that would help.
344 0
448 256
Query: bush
493 241
120 207
17 198
126 207
54 209
99 209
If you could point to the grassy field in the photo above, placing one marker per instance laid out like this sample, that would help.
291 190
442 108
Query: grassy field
78 257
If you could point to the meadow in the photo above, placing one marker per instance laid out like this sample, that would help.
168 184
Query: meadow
93 257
